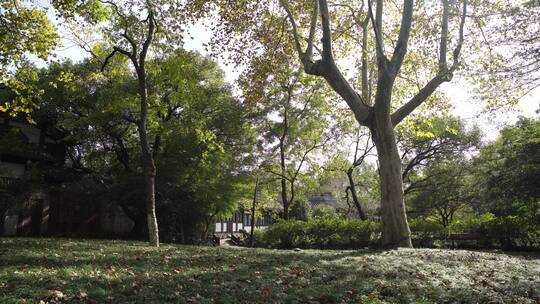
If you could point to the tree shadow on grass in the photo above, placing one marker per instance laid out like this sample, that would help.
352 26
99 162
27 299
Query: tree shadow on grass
121 272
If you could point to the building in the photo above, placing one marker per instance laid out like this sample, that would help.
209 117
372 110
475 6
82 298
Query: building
241 220
327 200
28 153
32 162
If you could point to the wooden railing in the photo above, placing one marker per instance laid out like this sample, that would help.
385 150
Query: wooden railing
6 182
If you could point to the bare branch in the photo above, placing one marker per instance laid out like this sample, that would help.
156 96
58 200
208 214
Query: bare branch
444 38
123 52
365 68
278 174
312 29
417 100
441 77
285 6
404 32
131 42
377 28
106 62
149 37
304 156
457 50
327 32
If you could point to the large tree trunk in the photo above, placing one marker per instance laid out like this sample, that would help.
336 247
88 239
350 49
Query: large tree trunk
356 202
395 229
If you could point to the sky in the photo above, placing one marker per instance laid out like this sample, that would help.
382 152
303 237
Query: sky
458 91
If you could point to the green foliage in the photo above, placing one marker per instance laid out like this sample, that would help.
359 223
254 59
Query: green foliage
204 137
319 232
424 231
300 210
25 30
327 212
506 232
509 170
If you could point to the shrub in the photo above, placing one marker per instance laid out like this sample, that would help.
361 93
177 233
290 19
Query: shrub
300 210
326 212
320 233
504 232
425 231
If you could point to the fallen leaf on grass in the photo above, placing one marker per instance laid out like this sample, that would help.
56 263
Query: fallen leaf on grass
83 296
136 285
196 298
56 294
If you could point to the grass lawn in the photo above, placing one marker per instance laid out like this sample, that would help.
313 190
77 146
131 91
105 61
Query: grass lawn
102 271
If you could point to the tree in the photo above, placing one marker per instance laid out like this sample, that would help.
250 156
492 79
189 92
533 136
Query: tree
353 183
358 160
427 140
307 19
300 128
204 142
508 171
380 118
132 27
446 191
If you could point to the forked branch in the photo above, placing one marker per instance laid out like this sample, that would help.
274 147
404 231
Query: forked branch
443 75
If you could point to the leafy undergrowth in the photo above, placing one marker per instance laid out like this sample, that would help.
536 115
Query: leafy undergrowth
92 271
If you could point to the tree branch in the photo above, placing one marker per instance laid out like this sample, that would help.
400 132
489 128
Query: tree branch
417 100
404 32
377 29
441 77
457 50
149 37
444 38
297 45
106 62
326 31
312 29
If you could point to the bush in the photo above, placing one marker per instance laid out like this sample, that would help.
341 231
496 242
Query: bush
283 234
506 232
425 231
320 233
300 210
326 212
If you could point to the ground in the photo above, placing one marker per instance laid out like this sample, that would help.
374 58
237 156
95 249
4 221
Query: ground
104 271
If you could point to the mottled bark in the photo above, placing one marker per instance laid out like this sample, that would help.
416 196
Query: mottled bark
395 228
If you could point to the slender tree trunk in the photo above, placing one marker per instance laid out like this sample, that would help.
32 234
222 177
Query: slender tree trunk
284 199
253 206
356 202
149 168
